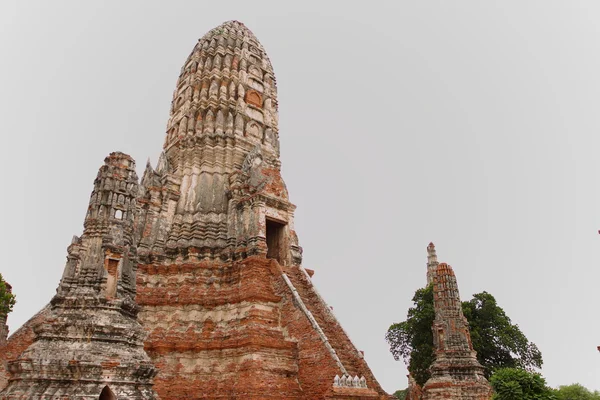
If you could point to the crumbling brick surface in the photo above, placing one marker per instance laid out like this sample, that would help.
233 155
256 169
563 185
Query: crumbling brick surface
235 330
214 331
18 342
350 357
415 392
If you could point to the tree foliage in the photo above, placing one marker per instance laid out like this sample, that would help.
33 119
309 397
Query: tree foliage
519 384
576 392
401 394
7 299
498 342
412 340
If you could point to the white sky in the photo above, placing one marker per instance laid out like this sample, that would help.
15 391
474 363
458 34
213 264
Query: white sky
467 123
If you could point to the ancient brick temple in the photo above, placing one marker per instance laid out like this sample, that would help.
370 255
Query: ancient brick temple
228 309
455 373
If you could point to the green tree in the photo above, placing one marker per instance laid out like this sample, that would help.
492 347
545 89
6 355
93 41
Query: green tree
401 394
576 392
412 340
7 299
498 342
519 384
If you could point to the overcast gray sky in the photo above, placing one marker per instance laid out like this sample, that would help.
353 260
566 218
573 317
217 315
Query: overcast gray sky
472 124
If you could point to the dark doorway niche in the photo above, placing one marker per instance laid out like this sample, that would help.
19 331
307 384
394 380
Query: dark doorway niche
275 240
107 394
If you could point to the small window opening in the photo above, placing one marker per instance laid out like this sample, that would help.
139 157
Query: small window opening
275 240
119 214
107 394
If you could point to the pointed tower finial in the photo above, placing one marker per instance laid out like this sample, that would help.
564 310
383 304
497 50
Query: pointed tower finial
432 263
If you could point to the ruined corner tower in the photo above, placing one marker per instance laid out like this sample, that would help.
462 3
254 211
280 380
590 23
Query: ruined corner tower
456 373
90 345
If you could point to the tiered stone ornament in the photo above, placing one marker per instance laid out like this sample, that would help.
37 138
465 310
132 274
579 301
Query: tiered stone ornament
456 373
90 345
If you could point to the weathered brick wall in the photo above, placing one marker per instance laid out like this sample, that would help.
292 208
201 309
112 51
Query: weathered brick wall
415 392
214 331
351 358
316 367
235 331
18 342
457 391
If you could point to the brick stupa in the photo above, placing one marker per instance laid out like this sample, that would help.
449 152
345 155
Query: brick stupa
229 311
456 373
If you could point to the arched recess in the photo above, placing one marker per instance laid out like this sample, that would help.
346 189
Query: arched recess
107 394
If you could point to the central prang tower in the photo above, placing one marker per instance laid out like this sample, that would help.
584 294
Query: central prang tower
229 309
217 192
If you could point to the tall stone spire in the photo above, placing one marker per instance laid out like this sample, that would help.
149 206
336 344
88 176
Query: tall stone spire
432 262
455 373
91 345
